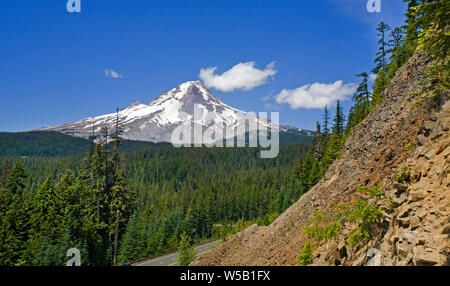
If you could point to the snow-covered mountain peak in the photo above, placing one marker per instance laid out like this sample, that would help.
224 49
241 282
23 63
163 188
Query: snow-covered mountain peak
186 89
155 121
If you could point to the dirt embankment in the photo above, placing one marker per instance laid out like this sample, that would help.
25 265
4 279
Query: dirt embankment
406 131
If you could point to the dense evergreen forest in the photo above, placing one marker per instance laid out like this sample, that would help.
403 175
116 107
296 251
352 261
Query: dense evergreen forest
46 144
118 205
167 192
55 144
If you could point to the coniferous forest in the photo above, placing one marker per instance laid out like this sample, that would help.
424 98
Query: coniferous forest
117 204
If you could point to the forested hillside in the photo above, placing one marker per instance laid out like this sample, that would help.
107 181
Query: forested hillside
161 192
54 144
31 144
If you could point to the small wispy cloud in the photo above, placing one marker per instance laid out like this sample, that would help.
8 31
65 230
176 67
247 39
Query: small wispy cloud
243 76
272 107
316 95
112 74
266 98
372 77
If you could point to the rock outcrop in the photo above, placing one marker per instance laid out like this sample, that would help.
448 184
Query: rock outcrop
407 134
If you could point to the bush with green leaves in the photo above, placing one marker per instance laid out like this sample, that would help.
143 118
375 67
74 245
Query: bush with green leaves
363 214
403 176
323 226
305 257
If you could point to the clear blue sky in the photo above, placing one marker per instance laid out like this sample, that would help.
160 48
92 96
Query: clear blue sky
52 62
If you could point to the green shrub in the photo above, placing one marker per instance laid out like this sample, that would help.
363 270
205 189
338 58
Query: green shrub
403 175
357 236
323 226
363 213
187 253
417 104
305 257
409 146
376 193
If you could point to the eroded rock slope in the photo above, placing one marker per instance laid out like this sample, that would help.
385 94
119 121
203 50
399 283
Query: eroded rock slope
406 133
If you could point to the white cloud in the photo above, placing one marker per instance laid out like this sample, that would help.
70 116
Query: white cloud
316 95
242 76
112 74
372 77
266 98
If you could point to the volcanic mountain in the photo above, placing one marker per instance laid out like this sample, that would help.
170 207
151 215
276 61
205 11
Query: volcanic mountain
155 121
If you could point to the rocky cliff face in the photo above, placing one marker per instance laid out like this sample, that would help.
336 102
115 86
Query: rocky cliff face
406 134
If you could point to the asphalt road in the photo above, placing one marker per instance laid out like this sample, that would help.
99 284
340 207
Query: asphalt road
172 258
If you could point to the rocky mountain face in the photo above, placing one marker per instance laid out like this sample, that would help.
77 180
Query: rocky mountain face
406 134
155 121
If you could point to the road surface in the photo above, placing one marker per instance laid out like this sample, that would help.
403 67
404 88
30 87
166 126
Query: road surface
172 258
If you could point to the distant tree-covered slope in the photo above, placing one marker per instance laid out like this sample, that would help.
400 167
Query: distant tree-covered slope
289 137
31 144
54 144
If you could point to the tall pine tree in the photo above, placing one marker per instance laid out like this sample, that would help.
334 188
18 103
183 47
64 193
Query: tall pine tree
13 217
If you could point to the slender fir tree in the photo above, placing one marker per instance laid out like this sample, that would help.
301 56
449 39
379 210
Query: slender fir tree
383 45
